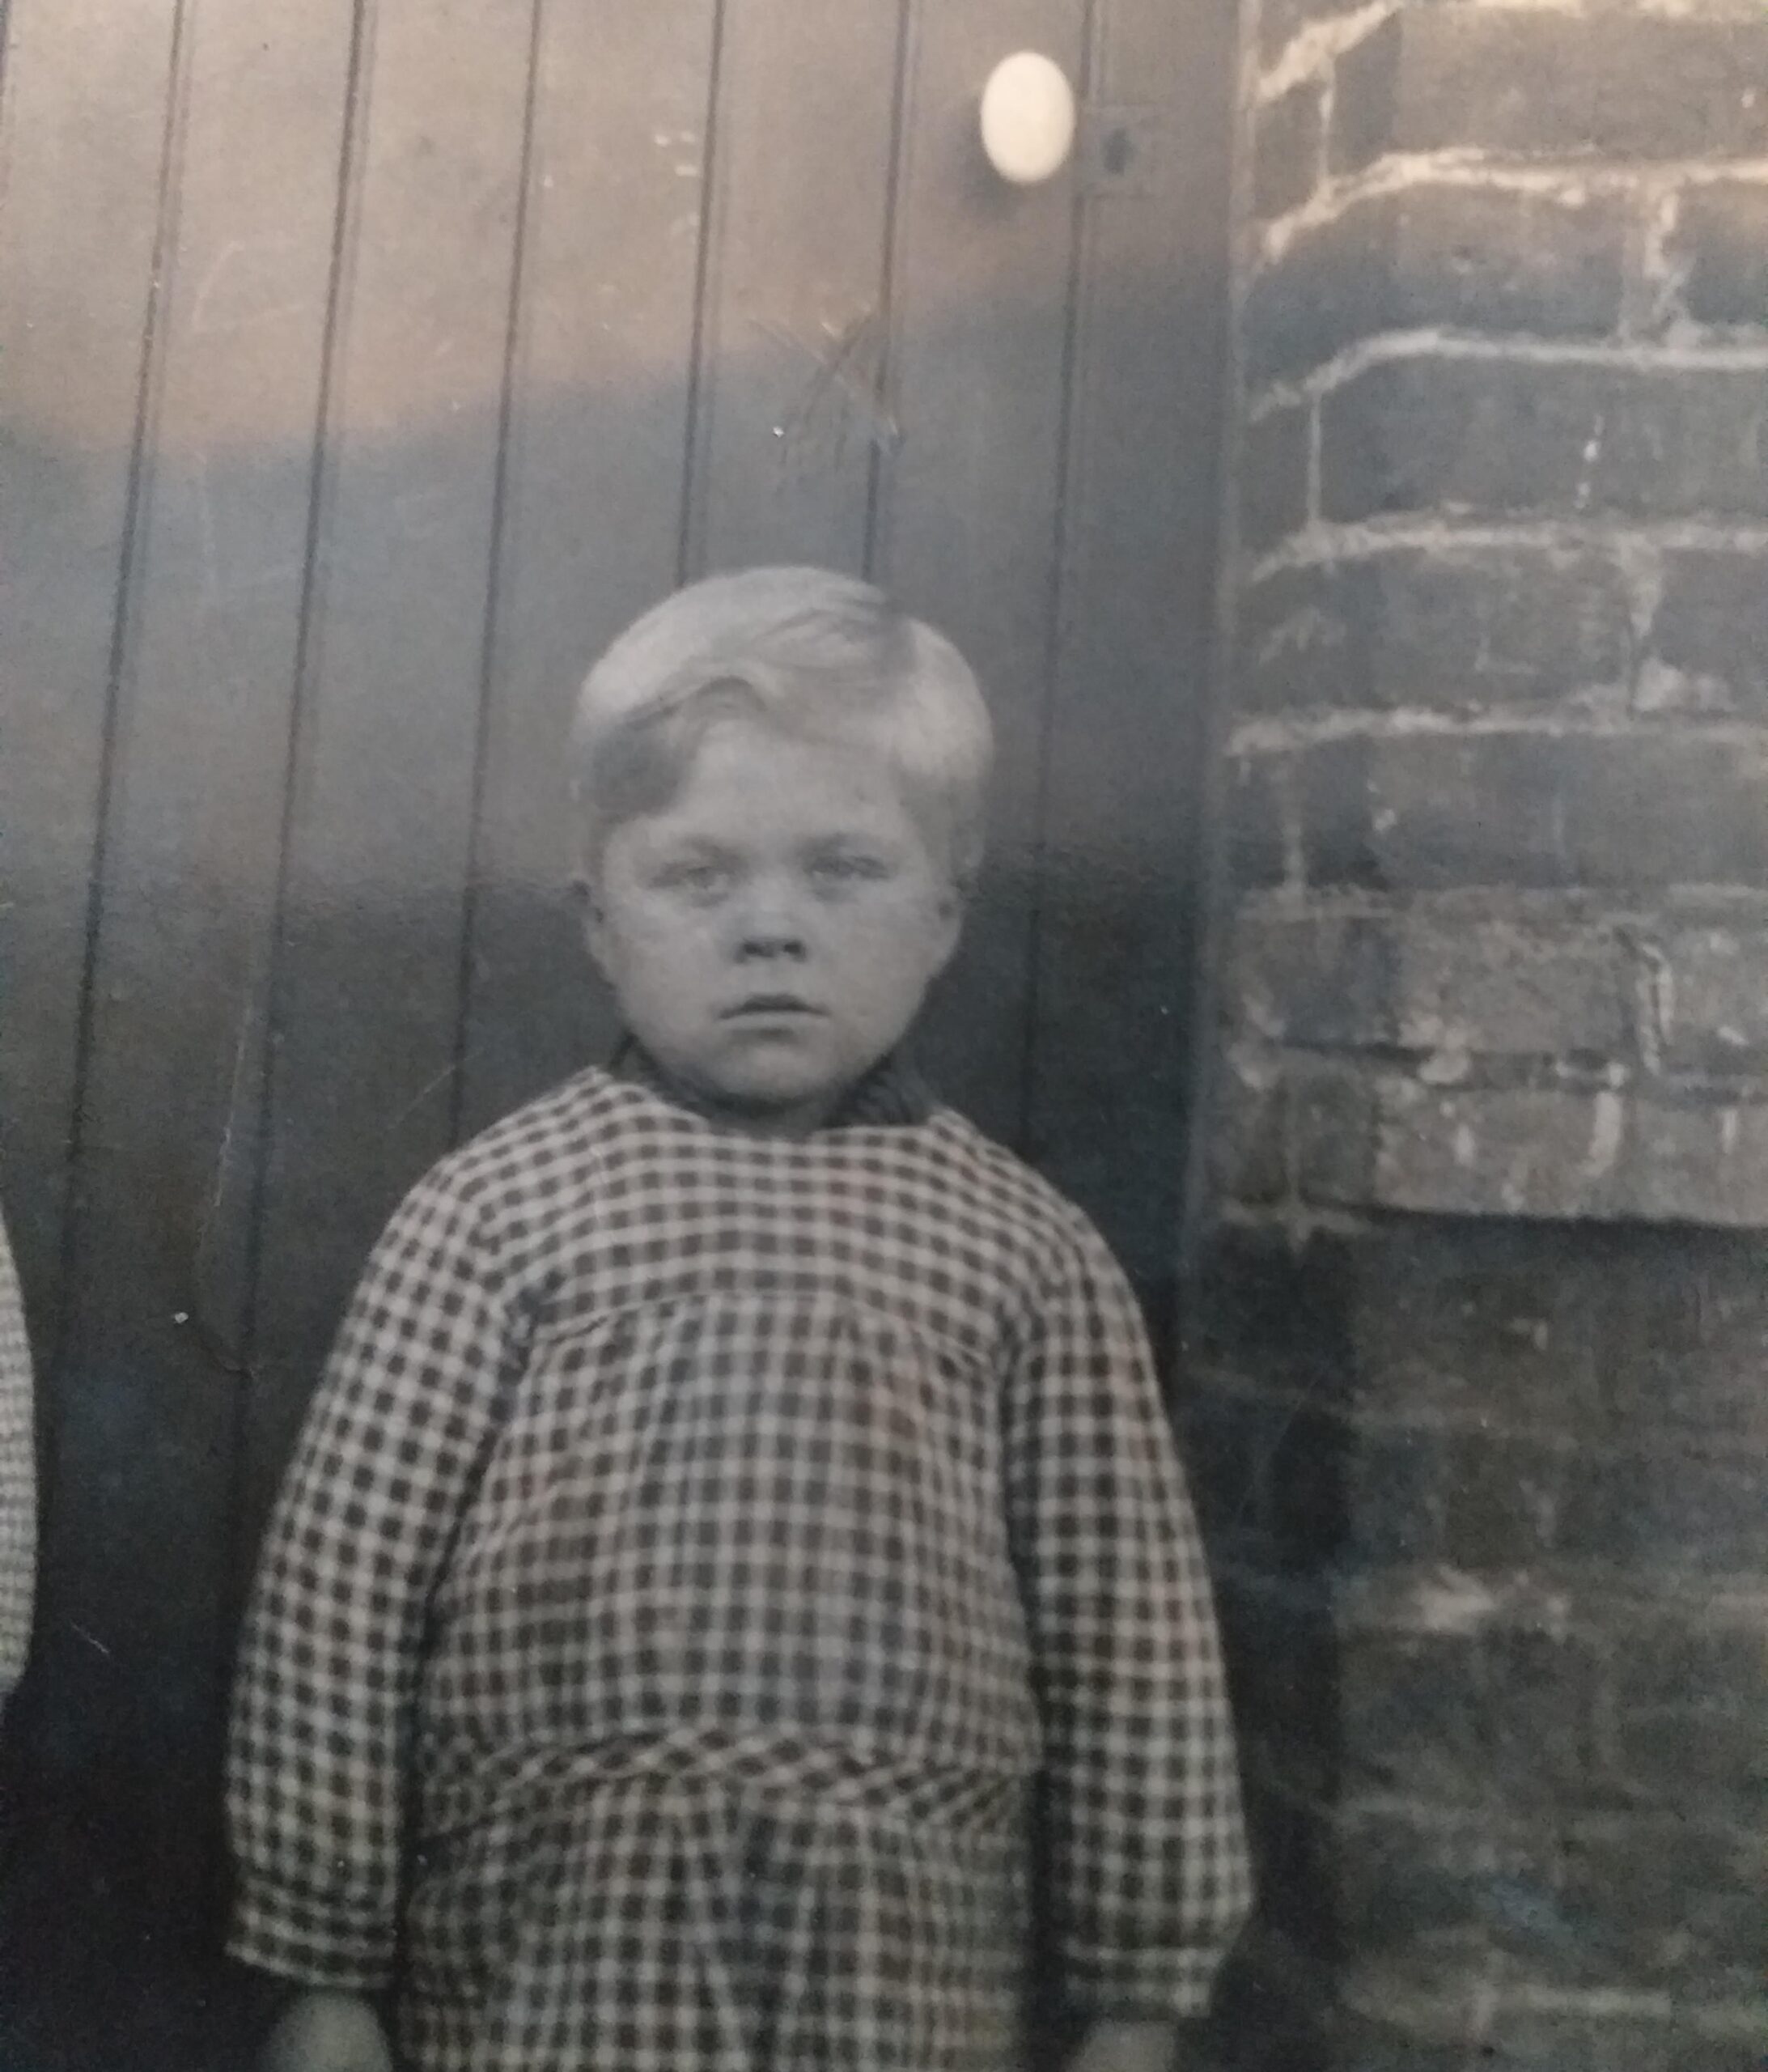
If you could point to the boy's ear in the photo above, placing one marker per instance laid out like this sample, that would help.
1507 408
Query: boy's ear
950 914
590 917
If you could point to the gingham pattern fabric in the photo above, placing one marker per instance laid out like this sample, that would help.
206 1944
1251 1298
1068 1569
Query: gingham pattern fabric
17 1479
701 1549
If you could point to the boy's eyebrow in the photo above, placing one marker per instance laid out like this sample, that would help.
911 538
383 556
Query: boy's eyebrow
687 838
845 838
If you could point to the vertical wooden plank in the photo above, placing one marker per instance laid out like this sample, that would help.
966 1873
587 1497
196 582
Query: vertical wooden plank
367 995
81 135
132 1662
593 514
135 1587
83 129
967 513
1126 736
134 1640
793 322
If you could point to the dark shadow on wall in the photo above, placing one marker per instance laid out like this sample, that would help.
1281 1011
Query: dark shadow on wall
1267 1345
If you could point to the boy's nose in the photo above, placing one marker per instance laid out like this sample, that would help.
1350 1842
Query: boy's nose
769 926
766 941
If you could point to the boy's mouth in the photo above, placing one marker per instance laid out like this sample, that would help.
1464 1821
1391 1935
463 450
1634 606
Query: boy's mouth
764 1003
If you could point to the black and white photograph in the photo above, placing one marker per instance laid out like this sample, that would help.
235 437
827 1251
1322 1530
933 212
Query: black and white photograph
883 1036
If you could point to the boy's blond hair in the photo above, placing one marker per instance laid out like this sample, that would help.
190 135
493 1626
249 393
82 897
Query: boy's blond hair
805 650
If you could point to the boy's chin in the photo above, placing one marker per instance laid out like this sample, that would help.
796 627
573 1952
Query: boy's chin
761 1095
783 1091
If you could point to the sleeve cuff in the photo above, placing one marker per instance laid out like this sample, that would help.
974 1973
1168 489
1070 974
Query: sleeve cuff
1156 1985
274 1934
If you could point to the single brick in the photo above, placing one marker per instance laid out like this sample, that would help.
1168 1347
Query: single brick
1687 1698
1603 2037
1263 1307
1498 1151
1230 1436
1288 149
1505 1497
1334 803
1658 809
1449 629
1273 476
1282 1671
1508 987
1366 84
1352 1497
1498 1320
1665 1508
1411 1883
1334 1130
1663 1901
1494 436
1711 998
1687 1338
1478 259
1320 982
1305 636
1670 1662
1700 1162
1726 2039
1378 2031
1732 2037
1297 1845
1254 811
1607 83
1541 1696
1606 2032
1430 812
1310 1520
1708 645
1720 246
1249 1135
1412 1715
1703 1758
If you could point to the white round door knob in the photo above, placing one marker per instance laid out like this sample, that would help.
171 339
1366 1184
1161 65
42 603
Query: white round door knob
1028 118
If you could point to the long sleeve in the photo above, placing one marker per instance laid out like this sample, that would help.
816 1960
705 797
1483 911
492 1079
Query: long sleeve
1146 1858
17 1479
321 1736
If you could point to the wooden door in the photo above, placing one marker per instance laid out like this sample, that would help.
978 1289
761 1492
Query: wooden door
364 367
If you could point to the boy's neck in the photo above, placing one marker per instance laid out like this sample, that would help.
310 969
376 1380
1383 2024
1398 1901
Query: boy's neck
892 1094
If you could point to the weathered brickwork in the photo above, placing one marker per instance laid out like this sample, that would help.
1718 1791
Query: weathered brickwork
1479 1344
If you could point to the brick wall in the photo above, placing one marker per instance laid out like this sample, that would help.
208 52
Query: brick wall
1479 1342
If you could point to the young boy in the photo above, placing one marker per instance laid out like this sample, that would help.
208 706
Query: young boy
739 1512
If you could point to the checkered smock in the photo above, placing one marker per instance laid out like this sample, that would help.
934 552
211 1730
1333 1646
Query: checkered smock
17 1479
703 1548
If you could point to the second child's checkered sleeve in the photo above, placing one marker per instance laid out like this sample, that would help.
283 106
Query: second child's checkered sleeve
320 1754
1147 1866
17 1479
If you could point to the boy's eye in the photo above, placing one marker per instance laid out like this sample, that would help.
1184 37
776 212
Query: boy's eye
847 867
699 877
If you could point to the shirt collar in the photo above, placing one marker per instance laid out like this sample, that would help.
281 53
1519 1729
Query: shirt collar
892 1095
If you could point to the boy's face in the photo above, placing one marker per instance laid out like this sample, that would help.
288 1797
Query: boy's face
771 931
